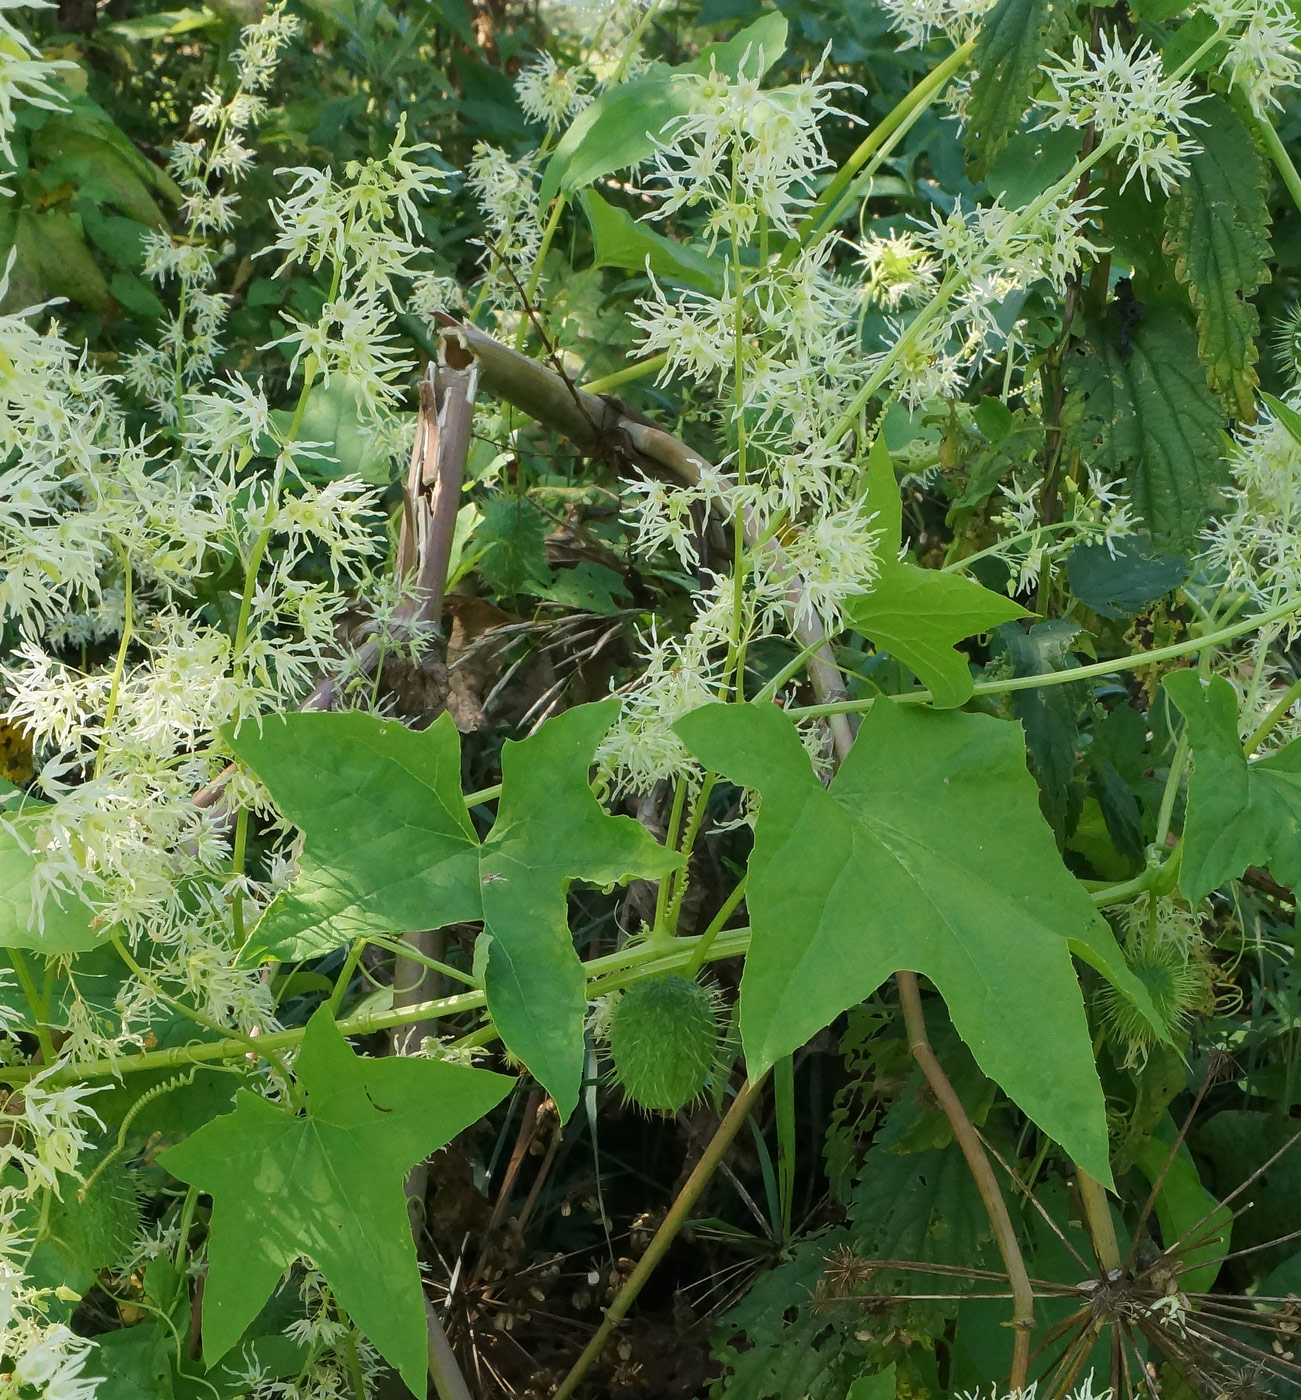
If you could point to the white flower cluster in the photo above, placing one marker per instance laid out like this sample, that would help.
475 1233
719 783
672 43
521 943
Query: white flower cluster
550 94
43 1132
1261 56
26 78
918 20
1136 108
507 193
207 170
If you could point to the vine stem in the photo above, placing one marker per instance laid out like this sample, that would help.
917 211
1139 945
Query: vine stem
1080 673
968 1140
613 971
710 1160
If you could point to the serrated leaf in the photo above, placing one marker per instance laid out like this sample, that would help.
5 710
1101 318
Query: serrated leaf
326 1184
1240 813
1217 231
1143 411
927 853
620 128
388 847
1013 42
919 614
923 1207
511 544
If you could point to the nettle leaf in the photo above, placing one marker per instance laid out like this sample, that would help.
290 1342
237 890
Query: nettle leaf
927 853
919 614
1143 411
388 847
1217 231
620 128
326 1185
1013 42
1240 812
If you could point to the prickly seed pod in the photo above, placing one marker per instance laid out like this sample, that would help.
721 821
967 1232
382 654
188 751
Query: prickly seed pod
663 1036
1167 954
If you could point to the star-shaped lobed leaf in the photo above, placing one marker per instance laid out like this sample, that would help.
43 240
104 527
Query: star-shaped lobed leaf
388 847
326 1185
1240 813
928 853
919 614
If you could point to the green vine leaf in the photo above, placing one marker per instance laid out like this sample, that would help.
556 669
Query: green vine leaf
927 853
1013 42
1240 813
326 1185
388 847
1217 231
1142 410
918 614
62 923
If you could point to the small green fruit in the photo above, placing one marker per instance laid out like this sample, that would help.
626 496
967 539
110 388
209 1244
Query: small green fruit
663 1036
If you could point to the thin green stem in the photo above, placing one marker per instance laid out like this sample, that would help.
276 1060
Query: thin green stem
119 665
1080 673
660 931
1171 790
641 369
404 950
39 1005
706 940
603 974
1266 727
682 877
345 975
184 1225
830 205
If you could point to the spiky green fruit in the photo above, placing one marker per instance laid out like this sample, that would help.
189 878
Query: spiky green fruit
663 1036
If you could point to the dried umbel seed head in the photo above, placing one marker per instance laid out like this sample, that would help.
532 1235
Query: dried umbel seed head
663 1036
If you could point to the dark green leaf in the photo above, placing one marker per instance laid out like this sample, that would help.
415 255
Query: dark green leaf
327 1184
1013 42
899 865
1143 411
1050 714
512 540
1122 578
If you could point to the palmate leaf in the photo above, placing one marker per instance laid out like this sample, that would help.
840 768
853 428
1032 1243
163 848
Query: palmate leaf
1142 410
1217 230
919 614
388 847
927 853
1240 813
326 1185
